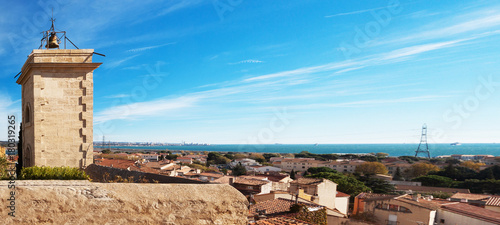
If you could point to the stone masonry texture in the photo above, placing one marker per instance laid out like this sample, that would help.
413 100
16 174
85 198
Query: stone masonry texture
57 101
83 202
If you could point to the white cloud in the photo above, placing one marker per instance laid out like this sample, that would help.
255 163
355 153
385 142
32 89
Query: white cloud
355 12
144 109
479 23
247 61
149 47
116 63
178 6
118 96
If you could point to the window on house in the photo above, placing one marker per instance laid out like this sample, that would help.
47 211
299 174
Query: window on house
250 187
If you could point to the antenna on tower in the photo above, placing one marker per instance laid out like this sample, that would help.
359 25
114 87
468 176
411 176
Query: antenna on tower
423 147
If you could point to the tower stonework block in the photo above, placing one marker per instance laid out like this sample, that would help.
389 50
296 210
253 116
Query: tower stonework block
57 101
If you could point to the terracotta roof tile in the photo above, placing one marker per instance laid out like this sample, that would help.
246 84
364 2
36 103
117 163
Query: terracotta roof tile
240 180
279 205
431 189
342 194
281 220
421 202
474 212
470 196
215 175
307 181
365 195
273 177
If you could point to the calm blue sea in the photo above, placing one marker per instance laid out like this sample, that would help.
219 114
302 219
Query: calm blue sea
391 149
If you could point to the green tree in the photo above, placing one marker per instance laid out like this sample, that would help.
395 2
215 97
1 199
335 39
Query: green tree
368 158
369 168
490 172
292 174
421 169
346 184
456 173
172 157
3 168
435 181
314 170
377 185
257 157
268 156
239 170
397 174
106 151
382 155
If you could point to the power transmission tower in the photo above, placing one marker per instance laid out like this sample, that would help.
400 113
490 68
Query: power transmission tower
423 147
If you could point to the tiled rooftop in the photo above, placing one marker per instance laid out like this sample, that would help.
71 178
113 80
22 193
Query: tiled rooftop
281 220
469 196
428 204
365 195
240 180
342 194
273 177
431 189
474 212
279 205
214 175
307 181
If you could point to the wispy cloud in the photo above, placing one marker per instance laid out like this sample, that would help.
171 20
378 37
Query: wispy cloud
141 109
355 12
116 63
247 61
180 5
118 96
149 47
478 23
349 69
397 55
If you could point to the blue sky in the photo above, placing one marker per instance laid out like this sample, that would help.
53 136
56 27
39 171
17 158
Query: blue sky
263 72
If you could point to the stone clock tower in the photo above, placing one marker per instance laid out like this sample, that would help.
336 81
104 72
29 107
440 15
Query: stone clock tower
57 101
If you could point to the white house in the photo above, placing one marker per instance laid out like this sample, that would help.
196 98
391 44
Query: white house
150 157
245 162
263 169
342 202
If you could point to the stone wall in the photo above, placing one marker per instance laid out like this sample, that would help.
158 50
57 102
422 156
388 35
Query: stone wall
57 101
104 174
82 202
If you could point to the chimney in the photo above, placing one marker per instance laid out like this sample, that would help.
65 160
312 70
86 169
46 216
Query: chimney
231 181
416 197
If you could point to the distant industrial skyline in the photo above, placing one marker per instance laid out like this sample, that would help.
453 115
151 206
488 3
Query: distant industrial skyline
259 72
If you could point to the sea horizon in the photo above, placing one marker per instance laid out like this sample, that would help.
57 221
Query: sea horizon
391 149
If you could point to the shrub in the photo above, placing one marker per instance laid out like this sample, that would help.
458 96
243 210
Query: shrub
52 173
